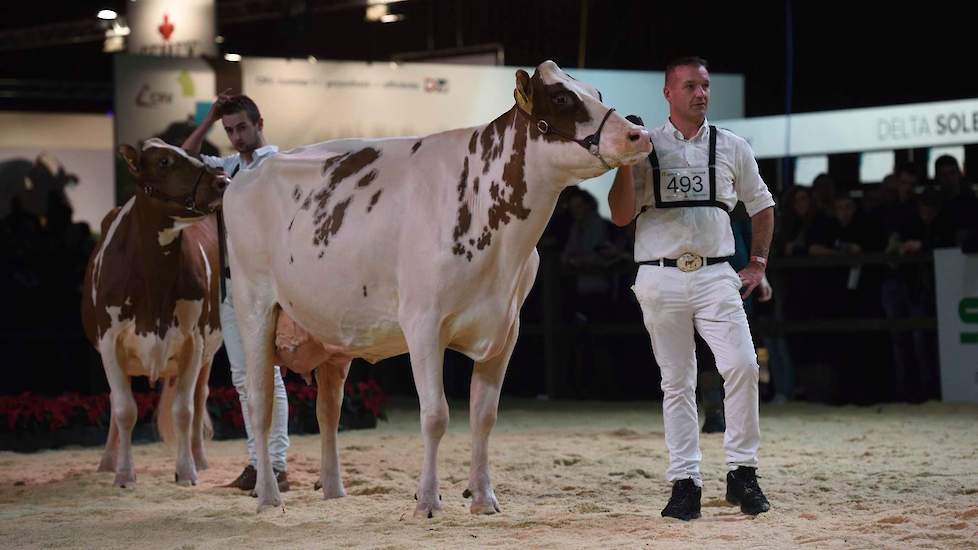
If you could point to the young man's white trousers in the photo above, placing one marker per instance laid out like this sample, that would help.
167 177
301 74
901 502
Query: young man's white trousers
278 436
673 304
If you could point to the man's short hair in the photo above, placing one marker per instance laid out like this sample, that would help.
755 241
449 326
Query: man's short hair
684 61
241 104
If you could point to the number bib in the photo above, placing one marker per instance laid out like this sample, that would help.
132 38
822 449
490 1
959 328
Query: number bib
686 187
683 184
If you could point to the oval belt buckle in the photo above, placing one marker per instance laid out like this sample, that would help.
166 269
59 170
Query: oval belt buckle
689 262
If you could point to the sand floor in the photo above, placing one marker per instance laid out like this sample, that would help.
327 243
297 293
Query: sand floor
567 475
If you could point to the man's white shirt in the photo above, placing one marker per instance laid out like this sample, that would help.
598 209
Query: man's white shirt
702 230
231 162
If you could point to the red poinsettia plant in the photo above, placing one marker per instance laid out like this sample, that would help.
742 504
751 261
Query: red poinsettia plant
31 413
366 396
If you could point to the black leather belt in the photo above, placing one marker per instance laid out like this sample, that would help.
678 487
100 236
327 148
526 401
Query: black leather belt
687 262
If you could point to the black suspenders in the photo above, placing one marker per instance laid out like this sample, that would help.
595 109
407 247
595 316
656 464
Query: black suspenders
222 251
657 180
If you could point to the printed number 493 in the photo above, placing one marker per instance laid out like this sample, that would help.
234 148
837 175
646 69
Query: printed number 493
685 184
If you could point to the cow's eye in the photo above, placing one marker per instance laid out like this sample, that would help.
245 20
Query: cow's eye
563 99
164 162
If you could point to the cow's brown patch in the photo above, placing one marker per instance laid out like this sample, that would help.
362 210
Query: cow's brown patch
329 225
564 118
367 179
507 195
328 222
332 161
514 178
373 200
463 222
416 146
492 140
464 216
353 163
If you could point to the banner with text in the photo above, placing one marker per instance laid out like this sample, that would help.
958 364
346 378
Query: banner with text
855 130
303 102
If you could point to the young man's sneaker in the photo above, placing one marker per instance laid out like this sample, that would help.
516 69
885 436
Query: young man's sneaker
246 481
684 503
742 489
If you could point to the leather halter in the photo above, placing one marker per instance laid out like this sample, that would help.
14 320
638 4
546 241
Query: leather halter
592 142
187 201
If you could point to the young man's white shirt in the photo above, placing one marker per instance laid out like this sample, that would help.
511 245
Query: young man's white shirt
232 162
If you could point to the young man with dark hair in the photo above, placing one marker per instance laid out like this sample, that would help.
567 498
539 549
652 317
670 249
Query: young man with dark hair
244 127
682 199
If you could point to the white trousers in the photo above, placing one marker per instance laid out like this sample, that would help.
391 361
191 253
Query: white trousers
278 436
673 304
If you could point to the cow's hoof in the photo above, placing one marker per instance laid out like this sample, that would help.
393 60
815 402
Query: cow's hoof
125 480
269 506
427 511
330 492
185 480
482 504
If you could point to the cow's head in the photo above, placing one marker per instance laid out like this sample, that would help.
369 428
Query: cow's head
565 110
181 184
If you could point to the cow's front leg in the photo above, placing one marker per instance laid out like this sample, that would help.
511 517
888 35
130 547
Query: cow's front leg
487 381
183 415
123 413
427 356
329 401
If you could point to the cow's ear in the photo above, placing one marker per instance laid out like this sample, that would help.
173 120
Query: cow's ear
131 156
524 91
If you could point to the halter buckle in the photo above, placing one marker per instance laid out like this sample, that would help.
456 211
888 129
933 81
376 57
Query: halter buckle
543 126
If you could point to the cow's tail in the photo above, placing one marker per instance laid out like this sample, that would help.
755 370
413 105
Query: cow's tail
164 412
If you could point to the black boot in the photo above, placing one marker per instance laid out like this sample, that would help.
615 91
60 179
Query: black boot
684 503
742 489
715 423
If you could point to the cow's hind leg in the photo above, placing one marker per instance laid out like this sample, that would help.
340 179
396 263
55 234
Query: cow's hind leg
123 411
329 401
256 315
427 358
202 424
109 456
487 381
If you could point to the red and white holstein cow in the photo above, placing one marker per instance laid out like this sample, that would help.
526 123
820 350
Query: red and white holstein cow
150 302
380 247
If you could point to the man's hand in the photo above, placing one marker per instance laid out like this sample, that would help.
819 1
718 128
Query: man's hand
764 290
750 277
222 98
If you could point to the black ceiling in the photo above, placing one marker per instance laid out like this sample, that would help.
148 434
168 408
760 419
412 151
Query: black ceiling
845 54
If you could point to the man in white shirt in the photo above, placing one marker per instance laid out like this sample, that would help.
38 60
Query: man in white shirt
682 198
243 123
